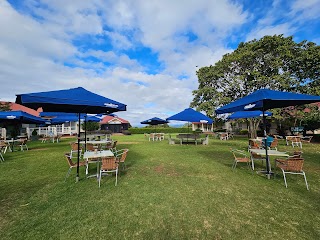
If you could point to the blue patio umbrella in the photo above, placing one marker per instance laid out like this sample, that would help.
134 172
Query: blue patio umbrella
22 117
265 99
190 115
74 100
248 114
154 121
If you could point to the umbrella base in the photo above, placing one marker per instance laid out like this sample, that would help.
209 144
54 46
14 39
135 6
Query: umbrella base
268 174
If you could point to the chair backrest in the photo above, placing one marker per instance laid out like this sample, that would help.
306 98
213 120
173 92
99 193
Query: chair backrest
68 158
274 143
294 164
253 144
123 155
109 163
296 154
90 147
296 139
74 146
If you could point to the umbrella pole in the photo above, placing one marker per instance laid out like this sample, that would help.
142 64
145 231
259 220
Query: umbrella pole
268 172
85 133
78 159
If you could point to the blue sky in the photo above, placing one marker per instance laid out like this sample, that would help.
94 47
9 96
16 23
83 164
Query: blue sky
141 53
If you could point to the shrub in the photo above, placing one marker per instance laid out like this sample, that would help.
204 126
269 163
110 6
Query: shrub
243 132
126 132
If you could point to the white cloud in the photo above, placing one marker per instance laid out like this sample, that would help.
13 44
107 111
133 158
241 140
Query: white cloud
49 45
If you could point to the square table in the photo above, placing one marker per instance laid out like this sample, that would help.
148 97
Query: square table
262 152
96 156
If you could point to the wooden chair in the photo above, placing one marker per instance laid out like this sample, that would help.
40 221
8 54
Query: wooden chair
109 165
90 147
240 157
71 164
292 166
253 144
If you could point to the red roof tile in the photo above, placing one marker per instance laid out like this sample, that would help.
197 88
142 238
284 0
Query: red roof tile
18 107
108 119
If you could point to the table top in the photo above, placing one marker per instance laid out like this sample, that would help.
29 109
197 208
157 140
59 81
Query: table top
96 142
98 154
262 152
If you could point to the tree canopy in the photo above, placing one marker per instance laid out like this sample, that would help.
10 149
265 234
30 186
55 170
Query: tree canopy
274 62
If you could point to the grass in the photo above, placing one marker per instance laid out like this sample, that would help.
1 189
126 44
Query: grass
166 192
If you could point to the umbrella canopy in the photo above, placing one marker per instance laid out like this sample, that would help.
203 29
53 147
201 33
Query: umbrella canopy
248 114
154 121
190 115
74 100
22 117
265 99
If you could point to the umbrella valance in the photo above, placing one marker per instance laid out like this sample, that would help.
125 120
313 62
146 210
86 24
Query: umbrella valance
23 117
190 115
248 114
74 100
265 99
59 117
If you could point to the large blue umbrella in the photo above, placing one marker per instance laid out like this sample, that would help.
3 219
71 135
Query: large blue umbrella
248 114
22 117
74 100
265 99
154 121
190 115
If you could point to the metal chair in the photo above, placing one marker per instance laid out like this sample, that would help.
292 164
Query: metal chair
121 156
292 166
23 144
296 141
240 157
71 164
109 165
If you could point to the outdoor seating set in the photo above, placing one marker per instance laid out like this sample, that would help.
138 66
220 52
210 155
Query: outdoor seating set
105 155
289 164
53 138
155 136
225 135
186 138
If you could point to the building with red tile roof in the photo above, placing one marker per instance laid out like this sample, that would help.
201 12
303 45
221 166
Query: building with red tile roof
18 107
114 123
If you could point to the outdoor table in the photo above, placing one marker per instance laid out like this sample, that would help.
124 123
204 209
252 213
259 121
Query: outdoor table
262 152
96 142
95 156
12 143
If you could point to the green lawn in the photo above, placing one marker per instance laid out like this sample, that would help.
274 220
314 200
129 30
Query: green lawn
167 192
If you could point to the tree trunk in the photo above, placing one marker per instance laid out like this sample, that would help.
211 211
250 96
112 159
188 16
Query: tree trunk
253 126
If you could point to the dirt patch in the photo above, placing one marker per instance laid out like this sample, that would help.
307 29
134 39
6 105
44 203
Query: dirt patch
129 143
159 169
39 149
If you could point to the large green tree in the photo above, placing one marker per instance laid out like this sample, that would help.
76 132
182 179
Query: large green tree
4 106
274 62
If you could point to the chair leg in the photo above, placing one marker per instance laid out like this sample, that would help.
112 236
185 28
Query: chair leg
252 163
99 178
68 173
116 177
284 177
305 179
